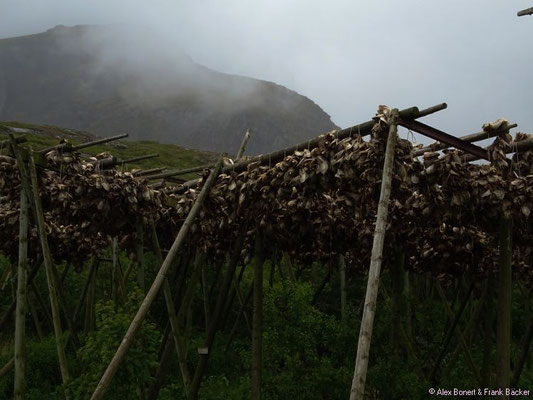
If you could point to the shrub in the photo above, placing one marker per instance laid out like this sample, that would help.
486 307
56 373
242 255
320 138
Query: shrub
100 346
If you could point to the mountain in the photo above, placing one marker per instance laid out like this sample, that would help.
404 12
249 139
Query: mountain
115 79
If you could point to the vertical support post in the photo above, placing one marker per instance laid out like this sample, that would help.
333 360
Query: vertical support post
181 348
89 305
342 283
257 322
367 323
41 302
65 273
204 293
408 308
242 147
488 320
217 314
86 288
139 246
35 317
114 273
503 332
524 352
20 313
112 368
52 290
397 272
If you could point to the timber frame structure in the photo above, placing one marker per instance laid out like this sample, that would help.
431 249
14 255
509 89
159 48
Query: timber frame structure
223 219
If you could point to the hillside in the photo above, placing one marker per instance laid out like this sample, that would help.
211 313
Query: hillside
171 156
112 79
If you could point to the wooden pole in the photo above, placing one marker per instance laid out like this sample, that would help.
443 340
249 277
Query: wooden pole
20 313
357 391
63 307
5 277
7 367
524 352
408 309
114 273
462 341
342 283
41 302
409 347
162 370
177 337
503 333
139 251
472 138
488 320
65 273
235 291
396 275
469 332
89 305
527 11
241 312
81 301
204 294
35 317
13 304
257 321
52 290
217 312
112 368
454 325
242 147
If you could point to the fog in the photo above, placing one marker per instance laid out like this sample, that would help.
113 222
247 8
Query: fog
347 56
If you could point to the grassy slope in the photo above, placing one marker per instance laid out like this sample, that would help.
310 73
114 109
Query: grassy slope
170 155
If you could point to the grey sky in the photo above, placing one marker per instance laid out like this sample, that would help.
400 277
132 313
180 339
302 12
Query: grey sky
347 56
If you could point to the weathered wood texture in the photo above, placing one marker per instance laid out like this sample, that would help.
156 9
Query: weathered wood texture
357 391
52 285
20 313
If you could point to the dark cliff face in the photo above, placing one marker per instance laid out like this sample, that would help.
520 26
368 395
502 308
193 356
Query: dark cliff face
109 80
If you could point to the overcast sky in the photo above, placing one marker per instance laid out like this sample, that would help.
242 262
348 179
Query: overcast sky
347 56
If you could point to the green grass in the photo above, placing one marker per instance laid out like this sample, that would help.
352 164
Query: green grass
170 155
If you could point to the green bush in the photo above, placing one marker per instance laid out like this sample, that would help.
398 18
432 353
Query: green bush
100 346
43 377
306 353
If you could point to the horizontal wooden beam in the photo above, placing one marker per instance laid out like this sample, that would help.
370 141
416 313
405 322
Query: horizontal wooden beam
151 171
514 147
471 138
444 137
178 172
82 145
139 158
527 11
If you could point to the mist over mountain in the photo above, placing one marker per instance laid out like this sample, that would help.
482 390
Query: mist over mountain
114 79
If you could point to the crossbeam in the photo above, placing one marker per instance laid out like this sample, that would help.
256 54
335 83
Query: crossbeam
471 138
444 137
139 158
527 11
82 145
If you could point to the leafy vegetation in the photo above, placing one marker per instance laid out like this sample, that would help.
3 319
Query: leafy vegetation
308 351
